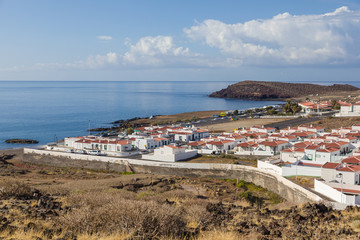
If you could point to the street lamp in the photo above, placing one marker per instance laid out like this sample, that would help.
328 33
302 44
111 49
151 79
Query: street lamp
296 172
342 190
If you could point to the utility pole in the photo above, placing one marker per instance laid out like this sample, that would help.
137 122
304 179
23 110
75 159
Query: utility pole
89 129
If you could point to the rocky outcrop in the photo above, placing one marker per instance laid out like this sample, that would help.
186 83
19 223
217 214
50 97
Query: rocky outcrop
22 141
260 90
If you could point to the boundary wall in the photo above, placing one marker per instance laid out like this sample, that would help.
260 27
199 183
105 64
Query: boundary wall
273 182
323 188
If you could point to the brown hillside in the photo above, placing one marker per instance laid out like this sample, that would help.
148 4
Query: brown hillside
260 90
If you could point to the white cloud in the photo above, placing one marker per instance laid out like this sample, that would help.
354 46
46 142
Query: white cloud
286 39
154 51
104 37
92 62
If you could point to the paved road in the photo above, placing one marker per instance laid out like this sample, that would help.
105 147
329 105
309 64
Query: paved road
296 121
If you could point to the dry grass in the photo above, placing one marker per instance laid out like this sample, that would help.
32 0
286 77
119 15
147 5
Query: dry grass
179 117
304 181
219 235
244 123
111 213
15 189
333 123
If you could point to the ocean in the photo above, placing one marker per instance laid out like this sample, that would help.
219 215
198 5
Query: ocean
49 111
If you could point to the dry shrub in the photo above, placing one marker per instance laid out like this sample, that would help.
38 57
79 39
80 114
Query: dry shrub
109 214
219 235
95 199
356 225
178 196
196 213
15 189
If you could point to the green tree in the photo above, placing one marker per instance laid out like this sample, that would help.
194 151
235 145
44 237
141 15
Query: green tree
271 111
236 112
335 105
129 130
291 107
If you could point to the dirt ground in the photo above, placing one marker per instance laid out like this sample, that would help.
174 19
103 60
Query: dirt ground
345 96
244 123
44 202
332 122
180 116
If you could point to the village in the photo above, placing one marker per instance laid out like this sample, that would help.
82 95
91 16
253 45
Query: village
332 158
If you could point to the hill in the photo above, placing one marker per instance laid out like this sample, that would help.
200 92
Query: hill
260 90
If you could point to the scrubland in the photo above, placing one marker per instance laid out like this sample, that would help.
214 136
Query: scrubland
43 202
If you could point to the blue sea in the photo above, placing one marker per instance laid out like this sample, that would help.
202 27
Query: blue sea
49 111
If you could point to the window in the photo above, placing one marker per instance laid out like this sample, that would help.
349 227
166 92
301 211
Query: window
105 147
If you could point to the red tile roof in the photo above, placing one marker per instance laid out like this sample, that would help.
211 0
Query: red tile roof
331 165
350 168
199 143
352 160
272 143
328 150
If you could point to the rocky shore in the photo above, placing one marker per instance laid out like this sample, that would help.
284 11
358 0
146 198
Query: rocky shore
21 141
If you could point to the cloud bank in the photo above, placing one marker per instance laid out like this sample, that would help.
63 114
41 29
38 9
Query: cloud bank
286 39
327 40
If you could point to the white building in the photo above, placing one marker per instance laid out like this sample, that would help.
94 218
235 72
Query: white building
170 153
349 110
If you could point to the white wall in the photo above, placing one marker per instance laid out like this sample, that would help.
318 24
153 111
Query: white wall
323 188
269 167
294 170
289 170
170 157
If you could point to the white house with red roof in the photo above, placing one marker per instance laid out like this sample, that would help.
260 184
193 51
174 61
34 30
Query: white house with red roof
148 143
263 148
170 153
349 110
340 182
222 146
106 145
262 129
350 173
312 107
301 136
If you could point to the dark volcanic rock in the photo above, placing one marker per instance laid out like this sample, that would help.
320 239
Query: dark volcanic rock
260 90
23 141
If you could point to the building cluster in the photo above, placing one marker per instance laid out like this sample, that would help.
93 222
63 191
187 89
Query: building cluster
159 143
306 150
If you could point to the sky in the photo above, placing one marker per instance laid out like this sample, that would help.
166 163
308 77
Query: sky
180 40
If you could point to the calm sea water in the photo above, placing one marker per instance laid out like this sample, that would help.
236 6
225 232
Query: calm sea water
46 111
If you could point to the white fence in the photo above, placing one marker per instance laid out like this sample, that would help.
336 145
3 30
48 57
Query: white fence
204 166
326 190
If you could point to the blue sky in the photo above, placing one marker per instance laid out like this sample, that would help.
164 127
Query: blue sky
277 40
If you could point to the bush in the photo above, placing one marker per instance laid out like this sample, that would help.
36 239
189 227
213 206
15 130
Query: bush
114 214
14 189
